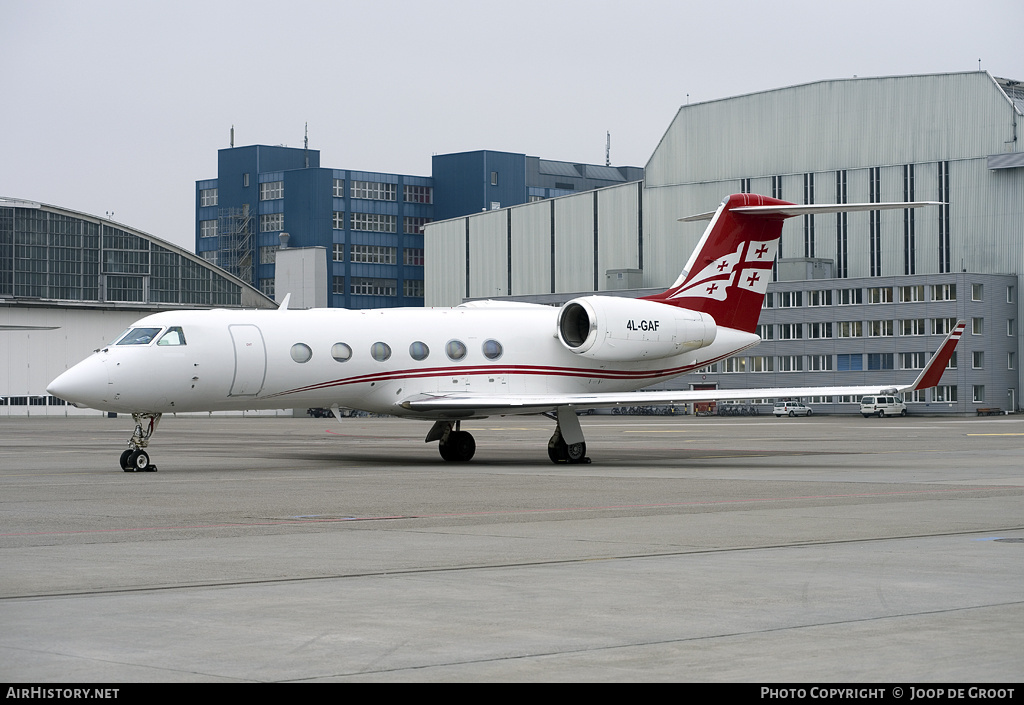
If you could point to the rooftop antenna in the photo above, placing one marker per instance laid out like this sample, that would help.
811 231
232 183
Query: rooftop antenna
607 148
979 64
306 145
232 136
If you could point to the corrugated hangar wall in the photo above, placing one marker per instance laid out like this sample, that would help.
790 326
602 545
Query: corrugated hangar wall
838 135
558 245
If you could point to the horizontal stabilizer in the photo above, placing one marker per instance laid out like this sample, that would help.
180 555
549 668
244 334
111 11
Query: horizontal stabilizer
789 211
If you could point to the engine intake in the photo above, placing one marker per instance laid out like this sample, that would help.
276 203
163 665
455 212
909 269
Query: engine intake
617 330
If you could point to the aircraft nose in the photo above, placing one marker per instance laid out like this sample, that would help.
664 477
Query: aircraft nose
85 384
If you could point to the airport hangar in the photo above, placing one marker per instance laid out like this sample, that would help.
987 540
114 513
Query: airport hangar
858 298
70 282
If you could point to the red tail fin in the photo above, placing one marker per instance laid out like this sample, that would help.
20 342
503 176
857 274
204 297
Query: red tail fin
728 273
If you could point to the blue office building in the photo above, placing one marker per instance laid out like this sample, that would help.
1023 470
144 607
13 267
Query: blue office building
369 224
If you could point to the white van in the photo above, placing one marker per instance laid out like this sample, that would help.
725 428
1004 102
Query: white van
882 405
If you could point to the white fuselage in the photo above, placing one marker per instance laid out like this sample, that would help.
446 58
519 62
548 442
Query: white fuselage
254 360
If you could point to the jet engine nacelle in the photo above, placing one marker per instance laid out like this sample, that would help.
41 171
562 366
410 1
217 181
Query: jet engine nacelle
618 329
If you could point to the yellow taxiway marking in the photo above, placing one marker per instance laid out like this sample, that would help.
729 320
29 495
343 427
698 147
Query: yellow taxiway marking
995 434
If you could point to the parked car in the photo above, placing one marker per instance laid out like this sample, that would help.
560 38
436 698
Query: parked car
882 406
790 408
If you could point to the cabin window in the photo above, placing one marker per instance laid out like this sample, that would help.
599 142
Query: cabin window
380 351
492 349
301 352
139 336
173 336
419 350
455 349
341 352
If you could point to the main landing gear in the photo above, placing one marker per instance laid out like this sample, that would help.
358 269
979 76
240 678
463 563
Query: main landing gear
456 445
566 445
136 459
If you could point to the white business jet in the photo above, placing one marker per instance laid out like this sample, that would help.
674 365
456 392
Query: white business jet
479 359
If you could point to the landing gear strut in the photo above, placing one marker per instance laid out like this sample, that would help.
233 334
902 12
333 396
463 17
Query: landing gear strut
454 444
135 458
567 444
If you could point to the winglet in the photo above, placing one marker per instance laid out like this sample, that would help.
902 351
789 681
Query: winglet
284 302
931 373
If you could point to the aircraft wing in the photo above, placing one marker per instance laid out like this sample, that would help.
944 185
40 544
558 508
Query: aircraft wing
484 404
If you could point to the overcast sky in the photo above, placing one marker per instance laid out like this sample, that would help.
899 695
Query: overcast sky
122 106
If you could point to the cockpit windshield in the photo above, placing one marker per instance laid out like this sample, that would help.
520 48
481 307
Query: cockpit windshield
139 336
173 336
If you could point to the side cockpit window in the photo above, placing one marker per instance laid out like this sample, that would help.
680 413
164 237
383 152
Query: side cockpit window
173 336
139 336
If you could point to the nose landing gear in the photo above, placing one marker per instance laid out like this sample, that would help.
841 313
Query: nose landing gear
135 458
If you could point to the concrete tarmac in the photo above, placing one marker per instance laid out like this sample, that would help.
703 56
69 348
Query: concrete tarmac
823 549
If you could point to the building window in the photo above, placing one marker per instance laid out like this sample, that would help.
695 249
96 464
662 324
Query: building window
339 252
374 254
1011 361
944 292
849 362
735 364
880 361
879 329
850 297
338 286
412 256
820 363
339 188
271 222
979 392
374 190
762 363
365 286
494 178
913 360
207 197
912 326
418 194
791 363
880 295
851 329
1009 294
942 326
819 330
978 326
910 294
413 225
790 299
819 298
978 360
766 331
208 228
412 288
267 287
374 222
791 331
944 393
271 190
977 290
338 220
245 181
769 300
1011 327
268 254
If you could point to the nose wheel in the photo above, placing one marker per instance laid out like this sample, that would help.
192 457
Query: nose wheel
135 458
